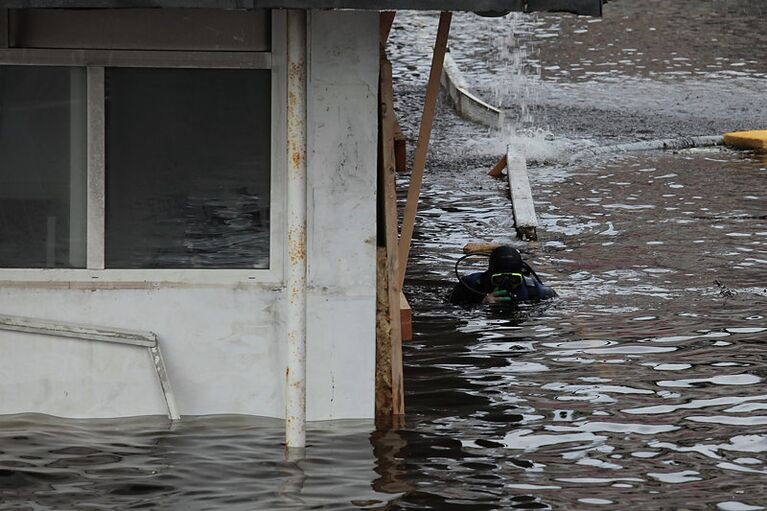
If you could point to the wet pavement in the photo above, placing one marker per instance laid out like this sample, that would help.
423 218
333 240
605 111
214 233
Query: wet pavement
645 70
642 386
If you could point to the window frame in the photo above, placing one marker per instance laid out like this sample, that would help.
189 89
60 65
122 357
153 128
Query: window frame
95 275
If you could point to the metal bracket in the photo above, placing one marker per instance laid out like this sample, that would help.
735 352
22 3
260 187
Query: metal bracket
91 333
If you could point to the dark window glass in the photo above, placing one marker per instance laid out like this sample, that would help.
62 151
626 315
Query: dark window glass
140 29
188 168
42 167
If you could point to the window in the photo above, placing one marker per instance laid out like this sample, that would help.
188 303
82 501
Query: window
125 145
187 168
42 167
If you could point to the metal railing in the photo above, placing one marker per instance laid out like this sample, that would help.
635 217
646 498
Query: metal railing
92 333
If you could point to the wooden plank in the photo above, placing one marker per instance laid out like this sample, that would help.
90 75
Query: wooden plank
498 169
389 374
406 318
400 156
383 395
392 256
422 147
525 220
480 247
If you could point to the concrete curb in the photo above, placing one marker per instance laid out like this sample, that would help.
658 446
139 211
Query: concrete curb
468 105
651 145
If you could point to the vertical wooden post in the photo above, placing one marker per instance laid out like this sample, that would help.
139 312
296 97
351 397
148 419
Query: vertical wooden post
392 256
389 376
383 395
422 148
400 144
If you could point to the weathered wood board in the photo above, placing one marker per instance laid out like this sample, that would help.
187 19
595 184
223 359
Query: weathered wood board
525 219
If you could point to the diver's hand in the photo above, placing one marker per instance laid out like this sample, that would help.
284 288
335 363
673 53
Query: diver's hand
501 296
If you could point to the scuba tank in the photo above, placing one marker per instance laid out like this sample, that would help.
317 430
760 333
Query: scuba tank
504 286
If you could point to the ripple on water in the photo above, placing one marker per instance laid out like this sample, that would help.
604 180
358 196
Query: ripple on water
645 306
560 407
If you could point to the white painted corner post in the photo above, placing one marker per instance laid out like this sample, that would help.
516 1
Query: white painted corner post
295 398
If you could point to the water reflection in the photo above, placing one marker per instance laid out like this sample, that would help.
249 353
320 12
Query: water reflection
204 463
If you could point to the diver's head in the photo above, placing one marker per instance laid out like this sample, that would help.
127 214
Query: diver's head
505 259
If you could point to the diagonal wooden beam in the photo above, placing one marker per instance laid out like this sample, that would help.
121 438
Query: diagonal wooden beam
385 24
422 147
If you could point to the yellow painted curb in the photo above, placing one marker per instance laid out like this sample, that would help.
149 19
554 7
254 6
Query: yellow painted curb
756 140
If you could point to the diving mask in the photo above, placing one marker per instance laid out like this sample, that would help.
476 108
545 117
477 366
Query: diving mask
506 281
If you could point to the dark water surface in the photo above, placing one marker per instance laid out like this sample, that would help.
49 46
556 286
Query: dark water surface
642 386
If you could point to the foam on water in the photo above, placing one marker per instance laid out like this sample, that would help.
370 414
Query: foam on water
538 146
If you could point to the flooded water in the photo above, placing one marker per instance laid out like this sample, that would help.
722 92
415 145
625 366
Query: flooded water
642 386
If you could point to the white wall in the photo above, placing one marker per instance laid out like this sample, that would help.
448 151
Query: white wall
341 236
224 342
221 347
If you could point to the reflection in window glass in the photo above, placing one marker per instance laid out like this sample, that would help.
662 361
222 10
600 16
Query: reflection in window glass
42 167
188 164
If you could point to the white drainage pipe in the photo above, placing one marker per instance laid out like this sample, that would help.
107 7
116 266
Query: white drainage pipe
673 144
295 374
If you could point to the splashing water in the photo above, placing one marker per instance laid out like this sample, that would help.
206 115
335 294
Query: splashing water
517 72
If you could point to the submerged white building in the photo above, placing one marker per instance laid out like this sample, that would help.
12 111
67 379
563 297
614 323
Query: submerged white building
201 173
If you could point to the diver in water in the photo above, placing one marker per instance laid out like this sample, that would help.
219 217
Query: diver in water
508 280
